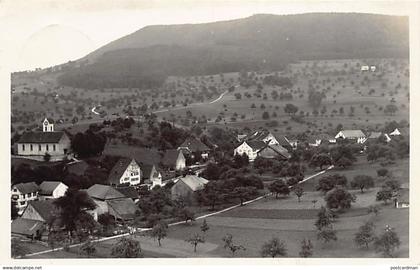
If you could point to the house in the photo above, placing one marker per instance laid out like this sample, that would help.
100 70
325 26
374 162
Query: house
129 192
151 173
353 135
40 210
23 193
400 132
51 190
364 68
111 201
174 160
372 68
378 135
395 132
28 228
185 187
403 198
264 136
274 151
36 144
125 172
319 139
250 148
192 145
48 125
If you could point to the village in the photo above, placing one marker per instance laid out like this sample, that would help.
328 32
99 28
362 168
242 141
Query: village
71 190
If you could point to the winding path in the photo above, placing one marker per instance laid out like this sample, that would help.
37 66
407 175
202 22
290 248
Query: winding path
175 223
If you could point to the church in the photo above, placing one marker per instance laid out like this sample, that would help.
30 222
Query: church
36 145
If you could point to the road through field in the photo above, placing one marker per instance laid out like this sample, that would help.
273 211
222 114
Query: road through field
139 230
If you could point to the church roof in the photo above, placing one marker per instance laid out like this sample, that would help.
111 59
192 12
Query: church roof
41 137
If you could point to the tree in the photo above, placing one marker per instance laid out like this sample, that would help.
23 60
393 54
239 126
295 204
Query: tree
265 115
306 248
186 214
47 157
195 240
392 185
126 248
159 231
88 144
273 248
387 242
329 182
290 109
390 109
88 248
365 235
204 227
325 218
362 182
298 190
339 198
320 160
244 193
384 195
374 209
228 240
14 210
72 215
327 234
382 172
279 187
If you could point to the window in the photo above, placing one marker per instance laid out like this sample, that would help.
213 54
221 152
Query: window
47 148
32 147
23 147
33 193
24 196
39 147
22 203
53 147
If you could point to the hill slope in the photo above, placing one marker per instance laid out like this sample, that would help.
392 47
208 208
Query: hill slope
144 58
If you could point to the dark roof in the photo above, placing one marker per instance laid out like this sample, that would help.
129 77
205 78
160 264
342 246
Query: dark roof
124 208
77 167
118 170
404 195
41 137
146 169
170 157
280 150
256 145
48 187
103 192
283 141
26 188
194 145
257 136
45 209
374 135
129 192
25 226
193 182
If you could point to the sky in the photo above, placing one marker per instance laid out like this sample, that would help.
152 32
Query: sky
43 33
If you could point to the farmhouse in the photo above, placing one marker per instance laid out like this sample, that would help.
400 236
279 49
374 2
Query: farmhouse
28 228
40 210
400 132
192 146
378 136
23 193
185 187
174 159
51 190
264 136
317 140
250 148
364 68
274 151
353 135
125 172
36 144
129 192
77 167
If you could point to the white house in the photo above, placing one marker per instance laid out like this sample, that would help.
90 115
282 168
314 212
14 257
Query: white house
396 132
51 190
22 193
364 68
125 172
250 148
36 144
354 135
372 68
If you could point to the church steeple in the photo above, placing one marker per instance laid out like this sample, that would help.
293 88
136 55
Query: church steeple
48 125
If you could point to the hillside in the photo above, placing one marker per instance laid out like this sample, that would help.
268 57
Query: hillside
261 42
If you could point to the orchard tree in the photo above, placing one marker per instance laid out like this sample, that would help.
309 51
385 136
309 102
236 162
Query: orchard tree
88 249
273 248
374 209
306 248
327 234
204 227
384 195
298 190
290 109
186 214
159 231
230 245
279 187
320 160
387 242
325 218
126 248
339 198
365 235
244 193
329 182
195 240
362 182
